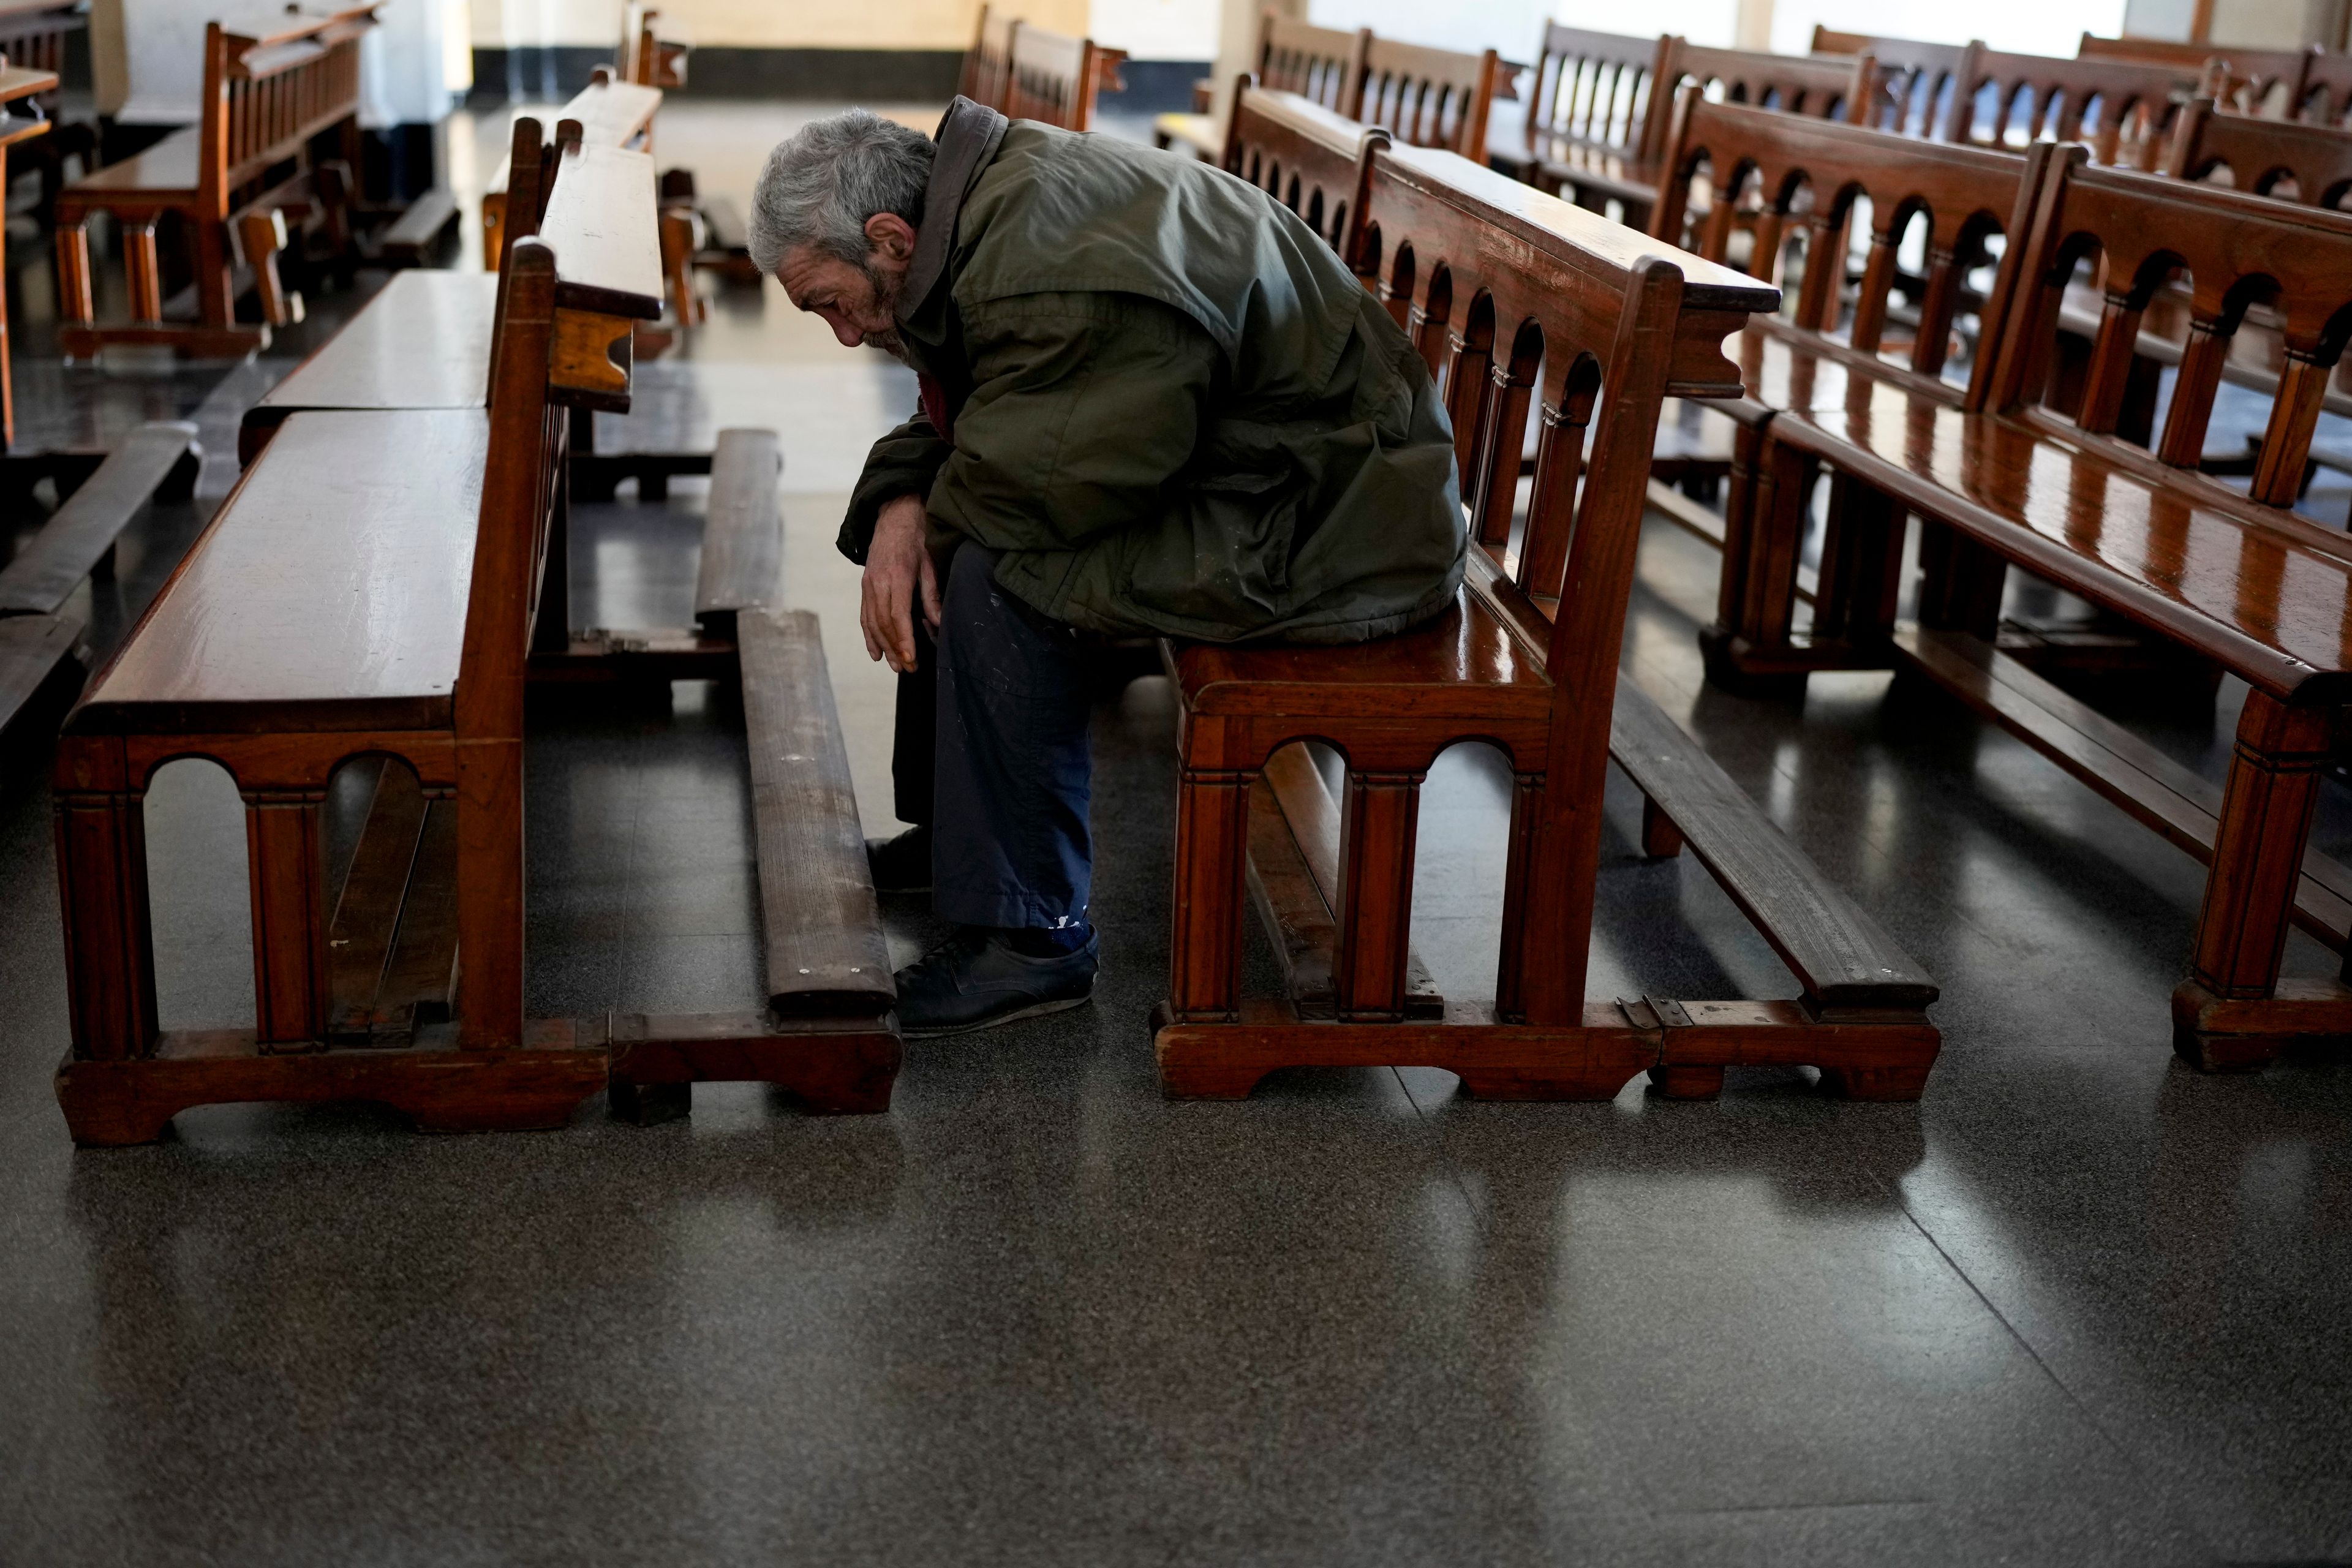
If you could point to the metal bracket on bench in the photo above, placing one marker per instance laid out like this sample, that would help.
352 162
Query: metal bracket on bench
1653 1012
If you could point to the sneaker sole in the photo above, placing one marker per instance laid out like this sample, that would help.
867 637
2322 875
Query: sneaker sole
1034 1010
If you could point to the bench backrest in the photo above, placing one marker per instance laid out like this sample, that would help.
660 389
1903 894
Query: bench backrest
1915 83
1599 91
1826 89
2252 81
1503 285
1323 65
1054 78
2260 153
2327 94
1967 195
1430 97
988 63
1305 156
34 39
264 97
2010 100
2238 249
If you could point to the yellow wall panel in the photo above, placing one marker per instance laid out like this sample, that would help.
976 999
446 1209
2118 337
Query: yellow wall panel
765 24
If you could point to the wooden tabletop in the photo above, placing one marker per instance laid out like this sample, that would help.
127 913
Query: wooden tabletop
424 341
604 223
613 114
328 592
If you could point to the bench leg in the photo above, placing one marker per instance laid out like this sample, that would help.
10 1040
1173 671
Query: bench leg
1749 649
216 286
109 946
1212 864
77 305
145 272
2229 1015
1376 825
1862 565
262 235
1960 583
489 893
1540 975
1661 839
286 855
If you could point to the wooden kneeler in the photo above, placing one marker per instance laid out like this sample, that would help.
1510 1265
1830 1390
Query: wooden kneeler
1500 284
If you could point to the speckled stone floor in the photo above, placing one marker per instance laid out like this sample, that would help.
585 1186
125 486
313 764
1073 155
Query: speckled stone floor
2077 1306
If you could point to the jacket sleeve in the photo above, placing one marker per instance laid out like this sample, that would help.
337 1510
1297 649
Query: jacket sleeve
1084 407
903 463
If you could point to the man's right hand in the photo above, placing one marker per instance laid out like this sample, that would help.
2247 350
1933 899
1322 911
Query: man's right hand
898 567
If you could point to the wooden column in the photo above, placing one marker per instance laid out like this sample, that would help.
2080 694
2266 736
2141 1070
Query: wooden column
1211 861
2258 848
1540 976
287 860
102 891
146 278
75 304
1377 822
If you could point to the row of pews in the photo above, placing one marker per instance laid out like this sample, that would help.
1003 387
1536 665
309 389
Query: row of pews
372 601
2001 382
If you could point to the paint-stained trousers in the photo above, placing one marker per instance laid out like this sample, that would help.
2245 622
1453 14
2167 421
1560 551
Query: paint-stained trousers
991 751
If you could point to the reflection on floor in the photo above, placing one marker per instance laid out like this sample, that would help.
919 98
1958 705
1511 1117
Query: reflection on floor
2078 1305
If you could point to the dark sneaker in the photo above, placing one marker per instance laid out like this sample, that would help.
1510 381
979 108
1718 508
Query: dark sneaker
901 865
976 982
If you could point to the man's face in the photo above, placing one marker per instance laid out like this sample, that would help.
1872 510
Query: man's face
860 303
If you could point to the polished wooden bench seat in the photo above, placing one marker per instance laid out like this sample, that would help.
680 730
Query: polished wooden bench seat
421 341
1517 663
266 98
608 112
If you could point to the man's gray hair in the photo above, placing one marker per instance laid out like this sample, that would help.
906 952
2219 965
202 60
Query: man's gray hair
821 185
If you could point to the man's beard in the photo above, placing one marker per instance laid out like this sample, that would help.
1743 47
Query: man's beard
887 292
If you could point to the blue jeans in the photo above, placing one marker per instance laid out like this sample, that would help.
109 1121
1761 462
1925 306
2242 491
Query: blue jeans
991 751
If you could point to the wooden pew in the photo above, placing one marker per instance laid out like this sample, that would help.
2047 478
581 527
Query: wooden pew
2234 576
1323 65
1595 118
988 64
33 35
1054 79
2009 100
424 341
438 520
23 122
1595 176
1915 80
1432 98
609 112
2268 82
1495 281
1971 195
266 97
2327 97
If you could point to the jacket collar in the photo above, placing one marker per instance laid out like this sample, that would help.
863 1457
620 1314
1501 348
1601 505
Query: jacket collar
968 137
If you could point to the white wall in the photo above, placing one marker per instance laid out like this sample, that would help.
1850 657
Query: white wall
1156 30
2020 27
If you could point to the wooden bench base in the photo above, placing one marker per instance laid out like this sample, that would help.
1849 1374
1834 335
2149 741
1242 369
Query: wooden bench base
2220 1034
443 1089
1683 1046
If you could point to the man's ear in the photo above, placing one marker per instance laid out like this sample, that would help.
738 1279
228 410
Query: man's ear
890 235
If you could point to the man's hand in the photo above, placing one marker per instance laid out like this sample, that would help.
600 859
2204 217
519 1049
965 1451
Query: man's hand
898 567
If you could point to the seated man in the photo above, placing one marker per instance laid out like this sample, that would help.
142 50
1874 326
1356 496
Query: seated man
1152 403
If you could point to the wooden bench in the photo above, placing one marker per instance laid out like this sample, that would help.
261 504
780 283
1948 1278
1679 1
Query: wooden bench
1323 65
1495 281
33 37
424 341
23 121
2268 82
2009 100
1595 121
1824 357
1915 80
1595 175
609 112
438 521
265 99
2234 576
1054 79
651 54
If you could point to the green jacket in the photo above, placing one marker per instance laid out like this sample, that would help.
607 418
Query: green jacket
1168 404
